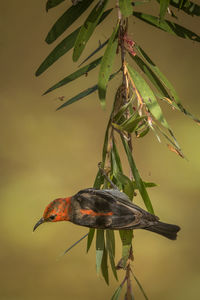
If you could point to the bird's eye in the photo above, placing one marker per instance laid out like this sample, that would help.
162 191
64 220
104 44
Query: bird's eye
52 217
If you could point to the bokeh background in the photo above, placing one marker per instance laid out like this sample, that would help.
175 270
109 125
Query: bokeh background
47 154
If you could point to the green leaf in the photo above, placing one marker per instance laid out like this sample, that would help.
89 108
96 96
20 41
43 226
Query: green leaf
110 244
90 238
67 19
143 132
106 65
87 28
63 47
148 96
140 287
52 3
79 96
99 249
137 177
151 75
146 184
188 7
94 52
75 75
116 162
117 293
128 187
126 238
175 98
168 26
104 266
84 93
126 7
132 123
163 8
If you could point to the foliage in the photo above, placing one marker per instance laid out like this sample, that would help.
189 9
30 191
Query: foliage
136 106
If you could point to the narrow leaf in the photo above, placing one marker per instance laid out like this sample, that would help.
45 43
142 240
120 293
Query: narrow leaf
177 102
146 184
90 238
132 123
79 96
126 238
87 28
168 26
52 3
148 96
137 177
63 47
76 243
188 7
106 65
67 19
94 52
75 75
110 244
104 266
151 75
163 8
126 7
99 249
117 293
84 93
140 287
127 184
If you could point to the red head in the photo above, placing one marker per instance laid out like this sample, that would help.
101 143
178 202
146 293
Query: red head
57 210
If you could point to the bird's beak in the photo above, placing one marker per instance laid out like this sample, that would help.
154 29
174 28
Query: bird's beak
38 223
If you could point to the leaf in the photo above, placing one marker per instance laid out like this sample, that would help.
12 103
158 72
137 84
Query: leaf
147 96
79 96
84 93
127 183
90 238
176 103
132 123
67 19
117 293
75 75
126 238
52 3
137 177
125 7
116 162
146 184
104 266
94 52
110 244
188 7
106 65
87 28
63 47
142 133
163 8
140 287
76 243
168 26
99 249
151 75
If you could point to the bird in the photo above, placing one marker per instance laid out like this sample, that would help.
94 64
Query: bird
105 209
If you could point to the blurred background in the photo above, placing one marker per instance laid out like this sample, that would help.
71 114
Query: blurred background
47 154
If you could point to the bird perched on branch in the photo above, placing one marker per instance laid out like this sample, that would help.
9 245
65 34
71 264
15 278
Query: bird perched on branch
105 209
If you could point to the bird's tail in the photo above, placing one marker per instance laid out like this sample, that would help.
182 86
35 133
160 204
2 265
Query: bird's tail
167 230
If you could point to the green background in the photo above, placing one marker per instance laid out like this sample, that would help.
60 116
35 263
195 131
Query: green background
47 154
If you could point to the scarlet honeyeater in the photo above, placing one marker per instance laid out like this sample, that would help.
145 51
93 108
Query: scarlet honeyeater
105 209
